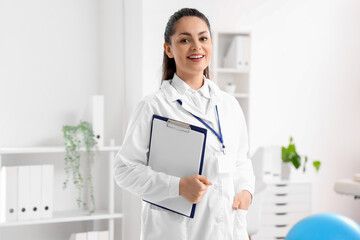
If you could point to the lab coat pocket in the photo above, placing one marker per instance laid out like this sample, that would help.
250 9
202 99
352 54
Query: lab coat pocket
240 231
164 224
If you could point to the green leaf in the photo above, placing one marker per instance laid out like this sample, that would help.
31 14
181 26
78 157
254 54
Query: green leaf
296 160
74 138
285 155
306 159
291 148
289 154
317 164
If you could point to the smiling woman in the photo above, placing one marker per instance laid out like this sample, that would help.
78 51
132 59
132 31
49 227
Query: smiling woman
223 192
190 46
202 33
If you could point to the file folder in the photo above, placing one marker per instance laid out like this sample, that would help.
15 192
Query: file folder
176 149
103 235
94 114
35 191
9 194
47 191
23 192
238 54
78 236
92 235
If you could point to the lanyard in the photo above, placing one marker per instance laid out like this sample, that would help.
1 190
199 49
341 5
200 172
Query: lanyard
220 137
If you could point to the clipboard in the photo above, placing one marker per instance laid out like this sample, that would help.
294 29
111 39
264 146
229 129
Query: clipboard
176 149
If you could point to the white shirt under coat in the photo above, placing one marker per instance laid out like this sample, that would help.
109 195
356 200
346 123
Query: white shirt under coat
214 217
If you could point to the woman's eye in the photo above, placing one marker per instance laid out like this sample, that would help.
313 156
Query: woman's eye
203 38
184 40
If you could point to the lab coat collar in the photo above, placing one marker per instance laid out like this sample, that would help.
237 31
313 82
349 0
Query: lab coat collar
205 89
171 94
182 87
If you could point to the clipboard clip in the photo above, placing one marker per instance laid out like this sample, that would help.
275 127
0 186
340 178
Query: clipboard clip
178 125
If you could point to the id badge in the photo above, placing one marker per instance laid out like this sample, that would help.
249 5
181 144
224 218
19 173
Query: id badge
226 164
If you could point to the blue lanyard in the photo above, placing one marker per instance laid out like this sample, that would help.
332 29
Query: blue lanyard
220 137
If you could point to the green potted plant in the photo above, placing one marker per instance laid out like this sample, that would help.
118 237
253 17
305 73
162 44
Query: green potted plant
76 137
290 156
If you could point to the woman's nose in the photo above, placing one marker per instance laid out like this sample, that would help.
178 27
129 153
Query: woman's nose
196 46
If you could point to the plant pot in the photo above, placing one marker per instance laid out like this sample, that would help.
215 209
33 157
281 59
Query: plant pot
285 170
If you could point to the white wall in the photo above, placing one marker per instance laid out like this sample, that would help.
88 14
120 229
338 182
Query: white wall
112 67
49 65
53 56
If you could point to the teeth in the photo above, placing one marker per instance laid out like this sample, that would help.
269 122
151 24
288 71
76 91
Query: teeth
198 56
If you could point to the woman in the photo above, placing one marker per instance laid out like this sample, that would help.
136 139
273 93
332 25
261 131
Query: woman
222 197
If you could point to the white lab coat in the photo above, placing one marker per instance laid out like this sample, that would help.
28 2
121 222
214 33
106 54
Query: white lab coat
214 217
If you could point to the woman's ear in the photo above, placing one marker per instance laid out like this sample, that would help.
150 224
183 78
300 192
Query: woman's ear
167 49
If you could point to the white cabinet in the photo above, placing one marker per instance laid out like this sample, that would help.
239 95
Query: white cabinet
285 203
62 215
231 65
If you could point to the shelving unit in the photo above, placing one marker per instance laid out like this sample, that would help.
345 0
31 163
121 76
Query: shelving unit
67 216
239 76
283 202
286 203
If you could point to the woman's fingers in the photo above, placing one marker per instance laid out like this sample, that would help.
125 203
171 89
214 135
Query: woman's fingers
193 188
242 200
236 202
204 180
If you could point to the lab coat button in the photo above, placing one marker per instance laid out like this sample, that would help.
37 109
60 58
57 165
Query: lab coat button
217 188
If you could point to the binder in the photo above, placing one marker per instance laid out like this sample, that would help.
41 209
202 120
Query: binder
8 194
103 235
94 114
92 235
246 53
23 192
78 236
238 54
177 149
35 191
47 189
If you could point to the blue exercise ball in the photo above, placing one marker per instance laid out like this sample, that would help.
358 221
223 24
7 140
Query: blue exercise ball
325 226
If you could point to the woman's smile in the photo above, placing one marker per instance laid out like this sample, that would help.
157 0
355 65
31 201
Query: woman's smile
196 57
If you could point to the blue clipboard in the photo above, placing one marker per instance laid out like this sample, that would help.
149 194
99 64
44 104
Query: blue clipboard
177 149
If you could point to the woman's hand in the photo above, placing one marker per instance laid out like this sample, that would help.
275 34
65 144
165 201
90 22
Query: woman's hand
242 200
193 188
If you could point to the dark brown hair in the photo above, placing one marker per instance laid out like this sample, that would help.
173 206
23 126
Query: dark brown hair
169 67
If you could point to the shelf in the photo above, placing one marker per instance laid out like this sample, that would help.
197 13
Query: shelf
66 216
230 32
241 95
230 70
56 149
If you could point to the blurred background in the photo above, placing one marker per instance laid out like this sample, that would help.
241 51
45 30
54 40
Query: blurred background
304 78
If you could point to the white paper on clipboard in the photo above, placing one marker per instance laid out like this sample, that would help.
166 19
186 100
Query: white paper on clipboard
176 149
